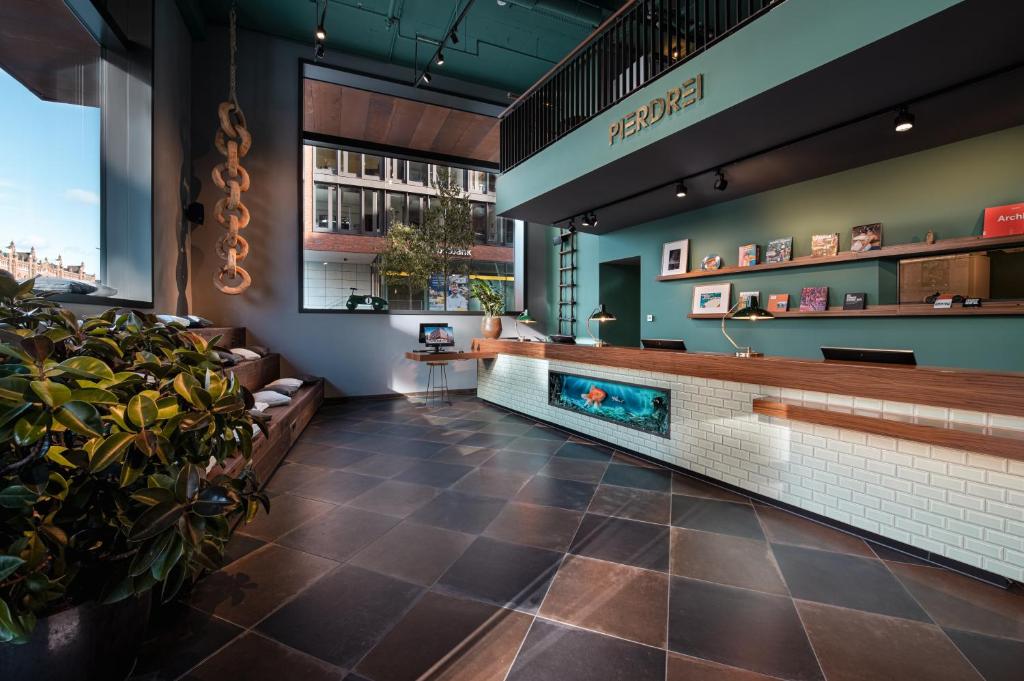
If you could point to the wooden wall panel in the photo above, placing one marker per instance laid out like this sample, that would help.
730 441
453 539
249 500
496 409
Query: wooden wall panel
350 113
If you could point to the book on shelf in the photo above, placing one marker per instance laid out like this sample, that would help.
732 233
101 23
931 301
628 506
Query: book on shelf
824 245
814 299
778 302
749 254
855 301
749 298
866 238
779 250
1004 220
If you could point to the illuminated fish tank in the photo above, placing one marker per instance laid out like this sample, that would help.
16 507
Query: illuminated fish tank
634 406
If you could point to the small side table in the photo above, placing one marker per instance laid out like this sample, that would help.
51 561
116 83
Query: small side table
437 382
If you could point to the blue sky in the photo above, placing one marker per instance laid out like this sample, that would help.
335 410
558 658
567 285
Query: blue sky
49 176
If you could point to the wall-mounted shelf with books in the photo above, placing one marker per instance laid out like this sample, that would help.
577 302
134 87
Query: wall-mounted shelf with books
992 308
957 245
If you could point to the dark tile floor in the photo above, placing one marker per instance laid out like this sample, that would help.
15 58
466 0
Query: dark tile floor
464 543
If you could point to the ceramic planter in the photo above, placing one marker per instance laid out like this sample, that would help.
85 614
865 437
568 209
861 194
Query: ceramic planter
490 327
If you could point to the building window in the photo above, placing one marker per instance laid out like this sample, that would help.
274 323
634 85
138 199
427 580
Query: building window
75 152
350 213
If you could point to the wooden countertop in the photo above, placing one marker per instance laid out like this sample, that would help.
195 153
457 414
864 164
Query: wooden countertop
967 389
448 356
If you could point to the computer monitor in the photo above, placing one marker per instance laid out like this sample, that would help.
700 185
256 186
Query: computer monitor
676 344
880 356
437 336
424 325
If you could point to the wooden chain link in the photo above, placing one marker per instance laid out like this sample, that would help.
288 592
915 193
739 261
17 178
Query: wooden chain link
233 141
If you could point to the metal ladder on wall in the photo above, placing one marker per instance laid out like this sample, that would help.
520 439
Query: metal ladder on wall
567 283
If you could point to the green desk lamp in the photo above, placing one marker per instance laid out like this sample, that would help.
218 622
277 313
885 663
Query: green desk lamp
599 315
525 318
752 313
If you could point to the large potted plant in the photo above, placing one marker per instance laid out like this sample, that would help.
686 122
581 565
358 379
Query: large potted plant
108 425
493 305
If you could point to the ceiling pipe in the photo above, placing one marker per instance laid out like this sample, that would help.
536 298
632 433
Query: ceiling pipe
573 10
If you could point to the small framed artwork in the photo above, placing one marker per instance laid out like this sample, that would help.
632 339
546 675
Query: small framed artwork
778 302
855 301
712 299
866 238
779 250
675 257
747 298
749 255
824 245
814 299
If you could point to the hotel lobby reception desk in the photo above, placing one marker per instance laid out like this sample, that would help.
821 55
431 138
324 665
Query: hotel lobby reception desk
929 457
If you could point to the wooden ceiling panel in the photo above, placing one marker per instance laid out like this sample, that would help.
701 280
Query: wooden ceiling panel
359 115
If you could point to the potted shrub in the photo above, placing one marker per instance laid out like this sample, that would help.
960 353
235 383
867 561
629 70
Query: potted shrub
493 305
107 427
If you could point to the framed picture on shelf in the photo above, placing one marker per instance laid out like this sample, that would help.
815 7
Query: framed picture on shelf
712 298
814 299
749 255
748 297
779 250
866 238
778 302
675 257
824 245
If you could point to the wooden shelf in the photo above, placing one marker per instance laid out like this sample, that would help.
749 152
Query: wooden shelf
448 356
957 245
982 439
988 309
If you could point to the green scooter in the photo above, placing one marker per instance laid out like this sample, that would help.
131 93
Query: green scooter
356 299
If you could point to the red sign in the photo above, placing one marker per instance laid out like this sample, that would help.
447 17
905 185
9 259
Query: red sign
1004 220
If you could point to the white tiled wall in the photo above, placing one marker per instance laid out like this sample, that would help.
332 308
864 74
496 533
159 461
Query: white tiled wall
327 285
966 506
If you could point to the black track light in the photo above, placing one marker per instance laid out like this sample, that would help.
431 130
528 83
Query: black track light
440 58
680 189
904 120
592 218
572 226
320 51
455 34
720 182
426 76
320 34
585 220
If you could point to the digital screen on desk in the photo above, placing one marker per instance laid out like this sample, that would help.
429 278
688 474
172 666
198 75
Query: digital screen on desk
438 335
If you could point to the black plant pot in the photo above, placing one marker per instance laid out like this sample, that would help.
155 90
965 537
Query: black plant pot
89 642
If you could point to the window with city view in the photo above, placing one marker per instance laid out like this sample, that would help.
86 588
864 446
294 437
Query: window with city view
75 204
350 199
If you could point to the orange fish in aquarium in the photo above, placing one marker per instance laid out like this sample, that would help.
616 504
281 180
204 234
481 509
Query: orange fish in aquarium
595 397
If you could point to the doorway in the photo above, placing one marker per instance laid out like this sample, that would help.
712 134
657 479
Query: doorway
620 293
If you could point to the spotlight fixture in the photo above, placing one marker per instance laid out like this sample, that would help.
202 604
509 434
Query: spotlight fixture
426 76
904 120
572 227
320 51
593 219
321 32
720 182
680 189
440 58
585 220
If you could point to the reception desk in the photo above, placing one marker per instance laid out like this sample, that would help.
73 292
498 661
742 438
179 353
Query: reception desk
930 457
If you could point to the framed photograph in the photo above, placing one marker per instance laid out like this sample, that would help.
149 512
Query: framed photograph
748 297
712 298
749 255
779 250
866 238
675 256
814 299
824 245
778 302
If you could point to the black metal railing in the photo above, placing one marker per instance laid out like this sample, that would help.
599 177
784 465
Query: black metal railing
638 43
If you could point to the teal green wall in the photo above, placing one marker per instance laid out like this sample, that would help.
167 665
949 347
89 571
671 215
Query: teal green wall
943 189
794 38
621 293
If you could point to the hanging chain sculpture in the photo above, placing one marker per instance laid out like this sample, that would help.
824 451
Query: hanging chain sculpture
233 141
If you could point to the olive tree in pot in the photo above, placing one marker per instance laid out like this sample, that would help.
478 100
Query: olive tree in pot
493 305
107 427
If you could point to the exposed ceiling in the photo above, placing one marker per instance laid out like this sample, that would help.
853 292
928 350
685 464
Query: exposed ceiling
961 77
507 45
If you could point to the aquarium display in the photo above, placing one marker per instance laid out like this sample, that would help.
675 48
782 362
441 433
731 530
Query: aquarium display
633 406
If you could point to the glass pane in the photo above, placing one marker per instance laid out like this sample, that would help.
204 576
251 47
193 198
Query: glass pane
327 160
416 210
371 166
478 215
398 170
371 210
353 163
417 173
323 207
351 200
396 207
